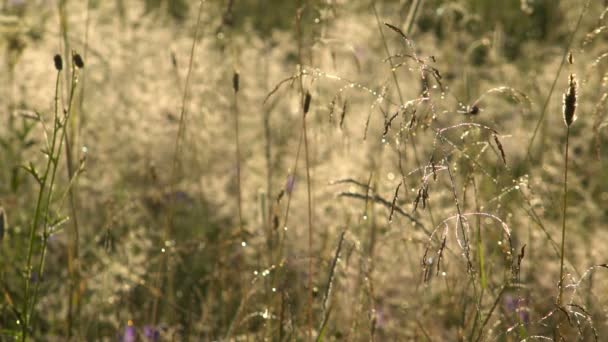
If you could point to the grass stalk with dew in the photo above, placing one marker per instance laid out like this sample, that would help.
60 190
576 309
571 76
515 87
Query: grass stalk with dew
174 166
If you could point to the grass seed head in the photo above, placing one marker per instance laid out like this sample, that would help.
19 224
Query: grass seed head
235 82
78 61
58 62
307 102
570 101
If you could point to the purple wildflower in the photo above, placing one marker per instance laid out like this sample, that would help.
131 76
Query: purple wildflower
510 303
130 334
290 184
151 333
523 311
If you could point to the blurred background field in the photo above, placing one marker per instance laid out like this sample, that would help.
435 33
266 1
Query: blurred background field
421 200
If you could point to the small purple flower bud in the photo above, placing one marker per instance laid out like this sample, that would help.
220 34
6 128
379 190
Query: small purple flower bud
130 334
523 311
151 333
290 184
510 303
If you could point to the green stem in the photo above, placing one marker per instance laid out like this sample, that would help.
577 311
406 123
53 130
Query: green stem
564 207
37 214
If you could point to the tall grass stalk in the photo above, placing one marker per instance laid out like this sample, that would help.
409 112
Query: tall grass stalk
174 166
305 103
564 207
70 141
559 70
569 117
235 109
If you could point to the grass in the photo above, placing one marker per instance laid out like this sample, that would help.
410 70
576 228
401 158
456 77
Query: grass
374 171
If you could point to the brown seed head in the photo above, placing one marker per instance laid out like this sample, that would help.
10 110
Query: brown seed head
58 62
235 82
570 101
307 103
78 61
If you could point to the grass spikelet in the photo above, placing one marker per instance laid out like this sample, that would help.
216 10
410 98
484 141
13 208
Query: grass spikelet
307 103
569 108
235 82
390 216
500 148
343 114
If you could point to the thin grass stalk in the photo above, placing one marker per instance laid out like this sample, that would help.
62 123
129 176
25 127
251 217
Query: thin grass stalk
569 115
564 208
174 166
487 319
329 286
73 243
235 110
38 214
305 102
310 228
411 16
63 138
559 70
70 137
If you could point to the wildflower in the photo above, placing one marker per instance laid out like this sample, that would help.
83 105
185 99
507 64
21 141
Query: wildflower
130 333
290 184
151 333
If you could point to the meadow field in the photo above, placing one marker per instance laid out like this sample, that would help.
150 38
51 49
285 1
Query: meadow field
303 170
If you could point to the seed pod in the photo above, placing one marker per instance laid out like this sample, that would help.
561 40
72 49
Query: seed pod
58 62
570 101
78 61
235 82
307 103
